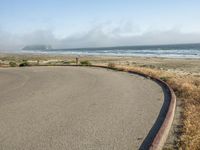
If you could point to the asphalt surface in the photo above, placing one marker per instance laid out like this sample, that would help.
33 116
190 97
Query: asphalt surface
75 108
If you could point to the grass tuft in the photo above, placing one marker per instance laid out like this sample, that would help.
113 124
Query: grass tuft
86 63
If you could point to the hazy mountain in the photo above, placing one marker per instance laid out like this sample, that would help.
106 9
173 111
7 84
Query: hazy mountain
37 47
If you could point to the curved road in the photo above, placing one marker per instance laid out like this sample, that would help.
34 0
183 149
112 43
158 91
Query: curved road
75 108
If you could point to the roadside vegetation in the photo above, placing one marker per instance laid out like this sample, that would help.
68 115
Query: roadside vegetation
12 64
85 63
24 63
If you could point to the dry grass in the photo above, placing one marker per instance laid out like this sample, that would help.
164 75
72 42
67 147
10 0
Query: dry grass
187 89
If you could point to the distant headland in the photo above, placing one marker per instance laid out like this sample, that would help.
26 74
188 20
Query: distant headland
37 47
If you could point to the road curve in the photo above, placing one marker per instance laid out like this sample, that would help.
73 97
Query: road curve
75 108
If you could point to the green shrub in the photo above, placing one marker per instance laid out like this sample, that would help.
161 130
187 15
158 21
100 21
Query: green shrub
23 64
72 62
66 62
12 64
85 63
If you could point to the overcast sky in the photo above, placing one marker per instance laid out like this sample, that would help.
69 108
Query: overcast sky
92 23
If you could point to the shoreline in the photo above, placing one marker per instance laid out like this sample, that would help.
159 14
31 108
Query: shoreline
99 55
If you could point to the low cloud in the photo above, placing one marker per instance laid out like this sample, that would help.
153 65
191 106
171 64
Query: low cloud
98 36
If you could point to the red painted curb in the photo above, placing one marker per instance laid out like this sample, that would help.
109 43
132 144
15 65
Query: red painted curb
163 132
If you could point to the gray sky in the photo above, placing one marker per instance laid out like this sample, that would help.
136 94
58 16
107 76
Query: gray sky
89 23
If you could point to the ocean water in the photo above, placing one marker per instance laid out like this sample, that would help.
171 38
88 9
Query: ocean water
171 51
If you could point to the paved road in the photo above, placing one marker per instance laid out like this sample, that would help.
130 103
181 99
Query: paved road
75 108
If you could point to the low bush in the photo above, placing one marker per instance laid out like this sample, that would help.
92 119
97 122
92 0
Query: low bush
24 64
12 64
85 63
66 62
72 62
